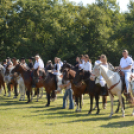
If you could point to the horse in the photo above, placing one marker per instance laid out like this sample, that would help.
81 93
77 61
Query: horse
2 82
80 89
47 80
114 84
69 74
94 90
26 75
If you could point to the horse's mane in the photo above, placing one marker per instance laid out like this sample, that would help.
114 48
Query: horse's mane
86 74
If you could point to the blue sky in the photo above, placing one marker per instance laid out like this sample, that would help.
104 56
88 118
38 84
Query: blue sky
122 3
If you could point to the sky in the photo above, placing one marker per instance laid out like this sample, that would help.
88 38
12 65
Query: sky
122 3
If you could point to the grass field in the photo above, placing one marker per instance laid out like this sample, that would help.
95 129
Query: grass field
21 118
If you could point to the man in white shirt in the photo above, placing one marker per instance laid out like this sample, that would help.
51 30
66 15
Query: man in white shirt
38 63
86 65
126 66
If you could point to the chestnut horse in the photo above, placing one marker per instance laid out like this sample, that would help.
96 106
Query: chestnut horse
26 75
47 80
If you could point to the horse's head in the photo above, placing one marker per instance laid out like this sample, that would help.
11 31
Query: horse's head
65 74
18 68
96 72
67 65
78 77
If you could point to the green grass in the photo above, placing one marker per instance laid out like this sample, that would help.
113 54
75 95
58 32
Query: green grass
21 118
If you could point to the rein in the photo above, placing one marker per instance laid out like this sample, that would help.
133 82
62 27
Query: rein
114 85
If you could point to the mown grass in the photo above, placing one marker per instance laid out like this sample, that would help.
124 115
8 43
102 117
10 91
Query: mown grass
33 118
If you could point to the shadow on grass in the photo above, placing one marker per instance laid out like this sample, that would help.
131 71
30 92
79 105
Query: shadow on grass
119 124
87 120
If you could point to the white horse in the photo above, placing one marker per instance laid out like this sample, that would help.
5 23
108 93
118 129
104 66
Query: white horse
22 88
113 80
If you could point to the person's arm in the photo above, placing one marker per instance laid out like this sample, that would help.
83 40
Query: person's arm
89 67
65 85
126 68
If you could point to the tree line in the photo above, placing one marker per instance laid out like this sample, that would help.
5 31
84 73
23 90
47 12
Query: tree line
64 29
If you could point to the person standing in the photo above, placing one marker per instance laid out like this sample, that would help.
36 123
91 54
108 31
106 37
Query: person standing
68 92
126 63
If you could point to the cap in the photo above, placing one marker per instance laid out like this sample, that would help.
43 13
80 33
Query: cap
14 58
49 61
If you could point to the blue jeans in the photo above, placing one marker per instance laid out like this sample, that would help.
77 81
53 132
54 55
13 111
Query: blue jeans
68 92
127 77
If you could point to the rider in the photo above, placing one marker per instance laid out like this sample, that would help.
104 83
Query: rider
38 63
86 64
98 61
30 62
103 60
23 62
126 66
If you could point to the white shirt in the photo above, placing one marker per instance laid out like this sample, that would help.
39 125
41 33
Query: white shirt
58 69
61 63
39 64
97 62
86 66
126 62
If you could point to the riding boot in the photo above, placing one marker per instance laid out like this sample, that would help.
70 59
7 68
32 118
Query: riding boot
103 91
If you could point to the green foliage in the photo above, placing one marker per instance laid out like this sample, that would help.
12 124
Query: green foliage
63 29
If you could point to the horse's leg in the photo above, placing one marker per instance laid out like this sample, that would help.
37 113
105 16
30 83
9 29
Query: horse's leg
91 104
122 107
3 84
9 89
37 94
117 110
112 100
97 103
82 99
28 96
48 99
104 101
76 99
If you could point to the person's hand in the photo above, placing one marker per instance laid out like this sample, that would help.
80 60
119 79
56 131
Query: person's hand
120 68
61 86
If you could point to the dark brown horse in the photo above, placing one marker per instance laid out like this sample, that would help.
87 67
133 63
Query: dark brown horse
47 80
26 75
69 74
93 89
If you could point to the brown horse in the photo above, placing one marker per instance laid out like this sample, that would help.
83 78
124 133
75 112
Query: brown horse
47 80
26 75
81 88
69 74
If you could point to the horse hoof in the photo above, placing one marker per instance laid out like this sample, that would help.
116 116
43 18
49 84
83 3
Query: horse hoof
98 112
4 94
37 101
117 111
47 105
19 99
123 115
110 116
132 114
89 112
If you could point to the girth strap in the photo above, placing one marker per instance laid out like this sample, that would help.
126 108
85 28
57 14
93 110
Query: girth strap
114 85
